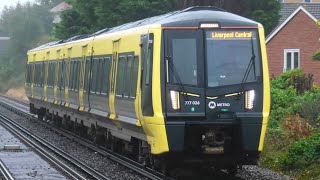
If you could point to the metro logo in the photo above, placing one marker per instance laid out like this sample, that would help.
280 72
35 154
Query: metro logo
223 104
213 105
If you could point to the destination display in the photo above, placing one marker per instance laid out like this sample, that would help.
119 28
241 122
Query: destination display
231 35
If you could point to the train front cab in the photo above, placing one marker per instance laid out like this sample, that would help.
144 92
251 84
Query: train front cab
217 95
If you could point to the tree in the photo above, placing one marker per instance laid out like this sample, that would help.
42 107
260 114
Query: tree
49 3
266 12
72 24
99 14
28 26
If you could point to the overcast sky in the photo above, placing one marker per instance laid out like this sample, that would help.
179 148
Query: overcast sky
12 3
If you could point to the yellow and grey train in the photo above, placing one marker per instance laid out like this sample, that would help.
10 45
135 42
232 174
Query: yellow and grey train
191 86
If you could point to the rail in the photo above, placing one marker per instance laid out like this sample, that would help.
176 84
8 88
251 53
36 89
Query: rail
123 160
50 152
5 172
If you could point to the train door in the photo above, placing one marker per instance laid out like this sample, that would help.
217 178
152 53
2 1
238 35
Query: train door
82 96
67 68
45 78
115 57
58 79
185 74
55 81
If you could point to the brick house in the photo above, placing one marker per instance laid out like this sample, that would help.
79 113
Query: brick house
292 44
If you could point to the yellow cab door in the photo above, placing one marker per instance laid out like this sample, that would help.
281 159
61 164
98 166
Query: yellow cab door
115 54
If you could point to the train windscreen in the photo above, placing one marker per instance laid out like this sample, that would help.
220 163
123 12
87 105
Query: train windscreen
233 57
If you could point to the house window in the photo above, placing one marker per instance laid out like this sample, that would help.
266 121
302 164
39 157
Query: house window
291 59
307 1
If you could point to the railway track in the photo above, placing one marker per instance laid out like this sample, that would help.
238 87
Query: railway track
21 108
78 170
5 172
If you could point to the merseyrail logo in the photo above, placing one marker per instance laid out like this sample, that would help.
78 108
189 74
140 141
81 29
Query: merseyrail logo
228 35
212 105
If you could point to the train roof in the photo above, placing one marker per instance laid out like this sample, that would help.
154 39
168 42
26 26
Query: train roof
190 17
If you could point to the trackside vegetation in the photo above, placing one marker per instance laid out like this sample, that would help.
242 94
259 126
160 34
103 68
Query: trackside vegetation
30 25
293 138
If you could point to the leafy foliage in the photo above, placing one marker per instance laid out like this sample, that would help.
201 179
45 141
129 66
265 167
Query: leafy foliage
266 12
283 102
309 107
73 20
296 128
316 56
284 80
283 97
28 26
302 152
99 14
292 140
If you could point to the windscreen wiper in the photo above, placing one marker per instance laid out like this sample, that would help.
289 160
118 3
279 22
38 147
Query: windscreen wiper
250 65
178 79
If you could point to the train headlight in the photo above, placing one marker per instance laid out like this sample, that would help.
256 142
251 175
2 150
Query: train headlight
175 100
250 95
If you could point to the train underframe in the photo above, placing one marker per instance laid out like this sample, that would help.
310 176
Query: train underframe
219 151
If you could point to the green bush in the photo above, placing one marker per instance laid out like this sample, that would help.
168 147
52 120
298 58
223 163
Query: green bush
287 98
283 103
291 141
309 106
316 56
285 80
302 153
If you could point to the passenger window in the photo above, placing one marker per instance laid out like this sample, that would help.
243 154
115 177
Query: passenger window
121 76
87 75
63 75
51 72
42 74
105 77
134 77
48 78
99 74
77 71
128 80
36 75
94 75
68 74
59 75
71 76
74 75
